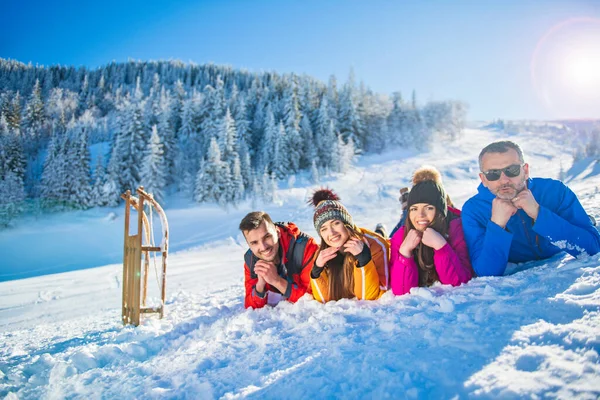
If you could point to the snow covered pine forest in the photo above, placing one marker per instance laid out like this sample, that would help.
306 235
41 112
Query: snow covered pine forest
211 133
534 333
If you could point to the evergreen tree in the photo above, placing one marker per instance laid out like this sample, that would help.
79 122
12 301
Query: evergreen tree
14 158
177 106
314 172
227 138
346 153
97 195
13 113
332 101
166 132
154 168
325 137
309 151
117 172
237 182
33 118
137 136
51 176
12 196
291 120
212 182
280 166
258 125
78 171
350 124
269 187
245 165
269 142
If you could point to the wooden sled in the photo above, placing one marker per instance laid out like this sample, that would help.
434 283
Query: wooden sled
134 293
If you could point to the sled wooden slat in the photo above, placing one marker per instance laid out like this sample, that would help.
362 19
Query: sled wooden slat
150 248
125 260
135 279
151 310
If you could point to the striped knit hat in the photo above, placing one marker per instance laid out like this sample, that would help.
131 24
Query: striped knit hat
328 207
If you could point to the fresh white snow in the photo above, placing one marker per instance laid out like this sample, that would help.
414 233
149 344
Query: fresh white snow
532 333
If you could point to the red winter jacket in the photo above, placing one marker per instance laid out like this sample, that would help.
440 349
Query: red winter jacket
297 251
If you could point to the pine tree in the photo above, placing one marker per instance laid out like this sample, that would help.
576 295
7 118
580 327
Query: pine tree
177 106
268 187
314 172
269 142
280 166
291 120
325 137
78 171
166 132
137 136
12 196
350 124
14 158
97 195
237 182
227 138
258 124
332 101
212 182
33 118
309 151
245 165
346 153
13 113
212 112
154 169
117 174
53 171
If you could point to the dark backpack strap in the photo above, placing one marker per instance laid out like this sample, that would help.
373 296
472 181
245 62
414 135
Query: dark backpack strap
295 253
250 261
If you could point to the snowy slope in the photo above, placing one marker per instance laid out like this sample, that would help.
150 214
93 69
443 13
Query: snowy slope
533 333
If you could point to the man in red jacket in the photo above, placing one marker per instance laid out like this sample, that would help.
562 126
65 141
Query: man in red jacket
277 265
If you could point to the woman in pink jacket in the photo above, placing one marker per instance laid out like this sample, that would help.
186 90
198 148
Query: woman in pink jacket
430 247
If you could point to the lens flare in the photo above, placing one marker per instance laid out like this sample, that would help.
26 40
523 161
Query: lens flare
565 68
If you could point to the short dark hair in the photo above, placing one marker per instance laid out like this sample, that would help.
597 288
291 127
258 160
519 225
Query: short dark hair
253 220
501 146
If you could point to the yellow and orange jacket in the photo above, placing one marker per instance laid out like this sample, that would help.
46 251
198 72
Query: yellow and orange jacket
371 280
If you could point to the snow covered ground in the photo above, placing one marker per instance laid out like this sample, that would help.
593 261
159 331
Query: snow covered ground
533 333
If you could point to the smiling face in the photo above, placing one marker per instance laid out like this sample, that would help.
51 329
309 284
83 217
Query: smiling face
263 241
421 215
505 187
334 233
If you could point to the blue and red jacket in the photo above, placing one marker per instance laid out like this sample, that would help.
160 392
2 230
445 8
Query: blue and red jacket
296 251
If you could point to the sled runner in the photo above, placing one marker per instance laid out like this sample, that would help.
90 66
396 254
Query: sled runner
141 244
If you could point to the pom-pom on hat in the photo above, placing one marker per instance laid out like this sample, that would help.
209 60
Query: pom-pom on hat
427 188
328 207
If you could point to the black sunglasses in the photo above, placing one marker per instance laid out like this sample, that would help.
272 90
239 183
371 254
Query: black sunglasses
511 171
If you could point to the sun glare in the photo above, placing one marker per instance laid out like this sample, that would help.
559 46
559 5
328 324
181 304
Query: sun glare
582 69
565 69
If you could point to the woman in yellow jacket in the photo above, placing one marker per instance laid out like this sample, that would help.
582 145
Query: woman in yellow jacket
351 261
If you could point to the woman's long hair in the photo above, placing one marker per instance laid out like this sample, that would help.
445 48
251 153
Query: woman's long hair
423 254
340 270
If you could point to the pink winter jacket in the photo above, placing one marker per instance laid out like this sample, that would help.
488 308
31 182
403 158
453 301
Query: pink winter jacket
451 261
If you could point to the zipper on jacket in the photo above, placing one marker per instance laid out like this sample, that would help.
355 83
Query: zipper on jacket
535 248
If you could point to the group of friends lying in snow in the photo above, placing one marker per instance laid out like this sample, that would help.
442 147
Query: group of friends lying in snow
513 218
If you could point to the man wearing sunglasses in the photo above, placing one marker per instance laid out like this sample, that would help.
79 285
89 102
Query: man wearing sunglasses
515 218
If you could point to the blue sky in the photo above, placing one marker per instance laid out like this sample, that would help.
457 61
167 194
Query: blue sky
476 51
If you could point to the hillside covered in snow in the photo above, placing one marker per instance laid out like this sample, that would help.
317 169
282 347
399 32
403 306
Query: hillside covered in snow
532 333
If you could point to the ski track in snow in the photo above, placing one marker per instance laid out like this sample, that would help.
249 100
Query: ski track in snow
534 333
